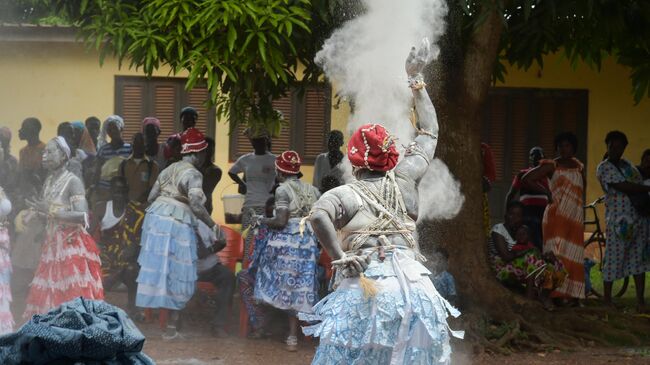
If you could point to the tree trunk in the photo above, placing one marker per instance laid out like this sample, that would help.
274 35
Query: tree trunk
459 84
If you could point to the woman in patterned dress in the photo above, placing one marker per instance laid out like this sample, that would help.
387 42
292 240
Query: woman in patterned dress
286 276
627 231
70 265
562 226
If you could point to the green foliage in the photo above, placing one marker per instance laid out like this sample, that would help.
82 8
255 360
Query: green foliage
245 52
584 30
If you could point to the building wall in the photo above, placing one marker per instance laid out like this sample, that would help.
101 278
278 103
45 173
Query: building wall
611 106
63 81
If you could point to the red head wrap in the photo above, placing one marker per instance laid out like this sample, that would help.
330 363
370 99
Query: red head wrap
192 141
288 162
373 148
150 120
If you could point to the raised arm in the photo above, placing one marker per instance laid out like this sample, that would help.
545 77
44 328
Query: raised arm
543 170
421 151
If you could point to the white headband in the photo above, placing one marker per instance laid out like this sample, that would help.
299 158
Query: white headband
63 145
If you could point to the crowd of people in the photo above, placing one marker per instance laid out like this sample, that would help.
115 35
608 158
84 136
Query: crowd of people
88 211
74 209
540 244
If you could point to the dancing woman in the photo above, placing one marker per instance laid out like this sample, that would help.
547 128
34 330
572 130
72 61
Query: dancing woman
70 265
385 310
168 252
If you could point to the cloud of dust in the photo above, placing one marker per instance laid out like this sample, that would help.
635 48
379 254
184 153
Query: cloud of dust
440 195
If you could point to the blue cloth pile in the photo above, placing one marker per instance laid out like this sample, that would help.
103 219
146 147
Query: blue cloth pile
80 332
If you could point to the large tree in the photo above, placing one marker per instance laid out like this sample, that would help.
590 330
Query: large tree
248 53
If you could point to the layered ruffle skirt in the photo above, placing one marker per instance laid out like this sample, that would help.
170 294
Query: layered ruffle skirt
6 318
167 257
70 267
404 323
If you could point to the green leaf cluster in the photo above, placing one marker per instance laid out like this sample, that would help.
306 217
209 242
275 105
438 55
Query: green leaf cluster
246 52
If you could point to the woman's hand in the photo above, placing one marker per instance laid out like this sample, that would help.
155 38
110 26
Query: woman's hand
418 58
38 205
352 265
242 189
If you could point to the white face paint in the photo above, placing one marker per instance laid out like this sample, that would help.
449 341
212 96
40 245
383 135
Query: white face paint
53 157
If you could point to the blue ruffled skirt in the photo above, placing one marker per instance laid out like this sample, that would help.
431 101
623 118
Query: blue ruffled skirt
167 258
287 273
405 323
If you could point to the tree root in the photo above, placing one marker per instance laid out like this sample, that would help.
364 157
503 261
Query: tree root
562 330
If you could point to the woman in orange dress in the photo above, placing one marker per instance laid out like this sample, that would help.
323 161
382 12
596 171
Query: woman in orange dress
562 226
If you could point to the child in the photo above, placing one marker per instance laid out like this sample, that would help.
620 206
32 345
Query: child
440 277
523 242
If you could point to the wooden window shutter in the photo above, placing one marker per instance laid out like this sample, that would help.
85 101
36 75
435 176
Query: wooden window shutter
130 105
165 106
547 130
283 141
519 141
316 123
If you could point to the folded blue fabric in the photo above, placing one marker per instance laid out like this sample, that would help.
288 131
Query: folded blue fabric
81 331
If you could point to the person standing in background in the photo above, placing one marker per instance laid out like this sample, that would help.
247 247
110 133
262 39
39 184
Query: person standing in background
333 162
153 149
189 116
139 170
258 168
211 174
627 231
30 166
562 226
534 197
93 124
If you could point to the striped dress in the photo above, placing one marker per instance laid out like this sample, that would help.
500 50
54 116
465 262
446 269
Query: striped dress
563 227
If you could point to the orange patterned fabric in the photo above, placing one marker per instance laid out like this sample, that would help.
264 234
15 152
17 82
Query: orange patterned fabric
563 227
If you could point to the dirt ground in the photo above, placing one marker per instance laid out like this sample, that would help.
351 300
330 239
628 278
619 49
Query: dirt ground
197 349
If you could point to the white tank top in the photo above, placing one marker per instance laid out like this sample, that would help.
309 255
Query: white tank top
110 220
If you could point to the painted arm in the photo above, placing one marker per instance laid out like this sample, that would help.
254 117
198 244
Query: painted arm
326 233
193 182
281 217
422 150
155 192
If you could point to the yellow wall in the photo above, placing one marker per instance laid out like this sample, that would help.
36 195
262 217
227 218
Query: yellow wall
62 81
56 82
611 106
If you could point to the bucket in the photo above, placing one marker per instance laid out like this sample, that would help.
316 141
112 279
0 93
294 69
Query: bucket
232 206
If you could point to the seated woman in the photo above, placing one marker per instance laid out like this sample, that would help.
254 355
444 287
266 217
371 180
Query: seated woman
539 274
120 222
